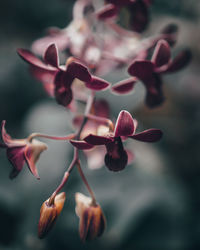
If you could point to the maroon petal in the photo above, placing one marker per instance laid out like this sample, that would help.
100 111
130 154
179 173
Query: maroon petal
101 108
116 158
108 11
124 125
97 83
180 61
125 86
97 140
63 95
82 145
161 55
30 58
150 135
142 69
16 158
78 70
139 16
51 56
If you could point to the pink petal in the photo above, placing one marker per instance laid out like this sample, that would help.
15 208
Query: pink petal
124 125
97 83
180 61
125 86
131 156
78 70
107 11
51 56
142 69
30 58
97 140
82 145
54 35
161 55
9 142
150 135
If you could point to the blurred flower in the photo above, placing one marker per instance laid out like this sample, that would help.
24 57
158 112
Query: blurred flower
150 72
49 214
137 11
92 221
20 151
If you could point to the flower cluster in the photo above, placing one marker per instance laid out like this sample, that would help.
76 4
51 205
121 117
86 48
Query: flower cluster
95 44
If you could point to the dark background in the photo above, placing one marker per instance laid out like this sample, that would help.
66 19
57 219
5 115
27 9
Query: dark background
153 204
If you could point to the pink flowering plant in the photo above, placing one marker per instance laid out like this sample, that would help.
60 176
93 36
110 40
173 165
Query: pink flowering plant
95 43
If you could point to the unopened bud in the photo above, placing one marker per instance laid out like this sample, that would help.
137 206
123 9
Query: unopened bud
92 220
49 213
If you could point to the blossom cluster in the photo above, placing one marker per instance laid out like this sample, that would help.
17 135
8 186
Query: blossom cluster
95 43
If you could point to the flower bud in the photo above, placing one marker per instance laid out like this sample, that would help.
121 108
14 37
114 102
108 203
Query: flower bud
92 220
49 214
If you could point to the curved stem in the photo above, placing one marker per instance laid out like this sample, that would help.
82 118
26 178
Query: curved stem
67 137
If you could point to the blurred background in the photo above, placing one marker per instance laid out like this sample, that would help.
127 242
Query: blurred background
155 202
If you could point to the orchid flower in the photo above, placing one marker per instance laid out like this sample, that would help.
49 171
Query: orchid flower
150 72
20 151
116 157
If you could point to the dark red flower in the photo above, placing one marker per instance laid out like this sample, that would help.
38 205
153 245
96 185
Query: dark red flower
150 72
20 151
116 157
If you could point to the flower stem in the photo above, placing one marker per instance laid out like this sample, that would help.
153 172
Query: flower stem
75 160
63 138
86 182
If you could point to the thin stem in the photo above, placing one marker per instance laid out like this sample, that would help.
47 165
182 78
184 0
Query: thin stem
67 137
86 183
75 160
65 177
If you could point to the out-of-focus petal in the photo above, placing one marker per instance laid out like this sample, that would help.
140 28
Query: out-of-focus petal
139 16
107 11
54 35
97 83
97 140
78 70
101 108
124 125
161 55
180 61
124 86
150 135
131 156
51 56
142 69
82 145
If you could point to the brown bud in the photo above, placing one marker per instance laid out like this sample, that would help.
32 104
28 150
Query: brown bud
92 220
49 214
